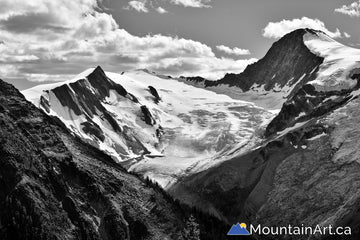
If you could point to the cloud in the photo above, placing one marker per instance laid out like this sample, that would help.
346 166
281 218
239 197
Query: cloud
233 51
138 6
168 55
68 36
192 3
147 5
161 10
18 58
31 22
352 10
210 68
278 29
346 35
95 24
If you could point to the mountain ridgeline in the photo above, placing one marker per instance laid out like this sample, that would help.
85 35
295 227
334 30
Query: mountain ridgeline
84 97
292 65
277 144
287 61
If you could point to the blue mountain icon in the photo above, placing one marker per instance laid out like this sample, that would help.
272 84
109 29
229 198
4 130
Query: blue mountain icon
238 230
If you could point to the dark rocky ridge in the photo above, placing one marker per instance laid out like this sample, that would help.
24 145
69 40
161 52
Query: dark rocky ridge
287 59
148 118
85 97
155 93
78 96
306 104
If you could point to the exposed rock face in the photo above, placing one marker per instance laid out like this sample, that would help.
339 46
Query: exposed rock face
84 99
288 65
53 186
287 61
79 96
306 104
93 129
103 84
155 93
320 183
308 176
148 118
336 83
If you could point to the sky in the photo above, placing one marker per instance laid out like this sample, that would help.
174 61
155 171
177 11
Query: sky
43 41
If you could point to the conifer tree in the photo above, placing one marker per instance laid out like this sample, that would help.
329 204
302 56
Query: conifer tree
191 230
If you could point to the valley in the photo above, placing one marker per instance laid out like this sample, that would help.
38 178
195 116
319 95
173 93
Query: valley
275 143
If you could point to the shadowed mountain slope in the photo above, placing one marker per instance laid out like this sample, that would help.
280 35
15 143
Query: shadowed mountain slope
54 186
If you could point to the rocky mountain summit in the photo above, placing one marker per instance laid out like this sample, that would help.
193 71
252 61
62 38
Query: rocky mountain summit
284 64
307 169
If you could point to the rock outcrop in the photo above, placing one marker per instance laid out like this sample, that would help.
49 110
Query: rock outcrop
155 93
287 59
284 64
287 66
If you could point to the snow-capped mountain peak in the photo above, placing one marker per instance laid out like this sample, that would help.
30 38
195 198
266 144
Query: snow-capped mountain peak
154 125
340 62
273 79
304 74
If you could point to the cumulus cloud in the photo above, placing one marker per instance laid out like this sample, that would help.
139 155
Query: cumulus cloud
161 10
169 55
75 35
233 51
153 5
352 10
192 3
32 22
138 6
278 29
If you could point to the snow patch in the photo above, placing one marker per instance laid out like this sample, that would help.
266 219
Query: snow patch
339 60
317 137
